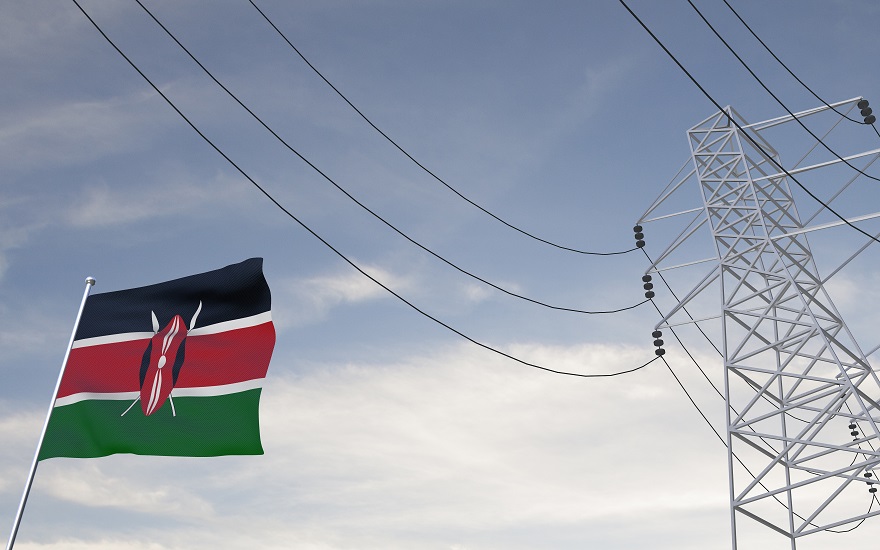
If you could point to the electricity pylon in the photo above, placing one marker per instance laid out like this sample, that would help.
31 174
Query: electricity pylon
802 415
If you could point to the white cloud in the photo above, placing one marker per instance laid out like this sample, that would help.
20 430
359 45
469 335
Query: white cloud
74 132
310 299
451 449
86 484
477 293
104 204
597 84
19 432
459 441
15 232
104 544
454 447
16 428
26 29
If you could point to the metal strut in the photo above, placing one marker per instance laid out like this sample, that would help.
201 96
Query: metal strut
805 394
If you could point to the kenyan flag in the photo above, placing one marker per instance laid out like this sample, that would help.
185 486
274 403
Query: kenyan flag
174 369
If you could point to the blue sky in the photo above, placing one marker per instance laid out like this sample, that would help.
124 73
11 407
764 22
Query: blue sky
383 429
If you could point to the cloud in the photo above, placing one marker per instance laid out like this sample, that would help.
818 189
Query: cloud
19 427
310 299
19 432
74 132
103 544
104 205
12 238
27 29
450 448
478 293
597 84
86 484
16 230
854 293
458 441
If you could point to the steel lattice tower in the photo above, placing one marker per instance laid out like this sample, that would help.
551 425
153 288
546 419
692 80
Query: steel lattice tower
802 409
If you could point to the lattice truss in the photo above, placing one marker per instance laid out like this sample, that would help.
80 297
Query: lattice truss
802 398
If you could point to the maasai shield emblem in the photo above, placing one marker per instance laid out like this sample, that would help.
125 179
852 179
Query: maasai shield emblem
156 382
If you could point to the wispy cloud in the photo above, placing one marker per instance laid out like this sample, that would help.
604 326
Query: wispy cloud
462 441
309 300
19 432
102 544
86 484
16 226
430 451
12 238
74 132
103 204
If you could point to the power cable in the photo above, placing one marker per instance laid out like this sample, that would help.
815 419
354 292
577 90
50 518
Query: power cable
355 266
718 435
413 159
711 383
706 336
751 140
746 468
694 403
784 66
321 239
705 418
691 356
358 202
857 525
774 96
773 161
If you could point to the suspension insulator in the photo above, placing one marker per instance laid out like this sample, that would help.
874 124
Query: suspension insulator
660 351
649 294
646 278
637 229
640 244
656 334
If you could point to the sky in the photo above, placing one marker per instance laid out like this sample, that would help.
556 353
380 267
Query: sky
382 428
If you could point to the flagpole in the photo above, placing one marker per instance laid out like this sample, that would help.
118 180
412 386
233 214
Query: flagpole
90 282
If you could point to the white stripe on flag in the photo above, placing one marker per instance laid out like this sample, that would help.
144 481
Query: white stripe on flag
244 322
205 391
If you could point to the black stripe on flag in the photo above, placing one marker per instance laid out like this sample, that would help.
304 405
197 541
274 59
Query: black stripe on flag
233 292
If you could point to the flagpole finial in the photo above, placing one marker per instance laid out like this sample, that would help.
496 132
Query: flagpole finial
90 281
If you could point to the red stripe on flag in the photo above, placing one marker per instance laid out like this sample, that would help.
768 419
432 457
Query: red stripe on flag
211 360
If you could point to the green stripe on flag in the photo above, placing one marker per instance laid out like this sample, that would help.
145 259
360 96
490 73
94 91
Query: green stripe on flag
204 426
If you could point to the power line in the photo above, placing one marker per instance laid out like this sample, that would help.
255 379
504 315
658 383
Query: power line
784 66
358 202
857 525
742 131
774 96
746 468
413 159
706 336
712 427
321 239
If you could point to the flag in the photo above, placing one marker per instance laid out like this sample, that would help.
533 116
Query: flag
174 369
